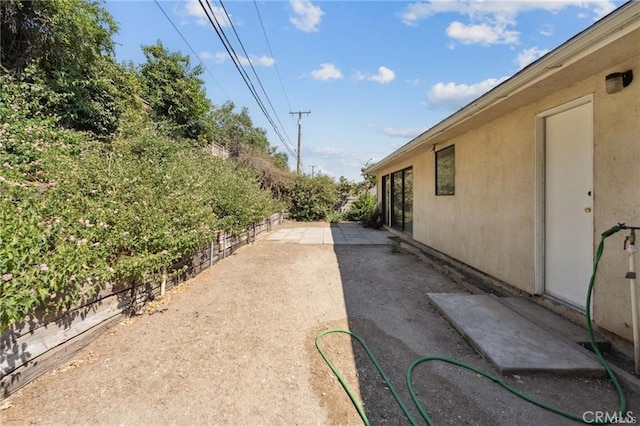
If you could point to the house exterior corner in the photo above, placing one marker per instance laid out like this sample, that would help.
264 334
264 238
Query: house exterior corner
521 183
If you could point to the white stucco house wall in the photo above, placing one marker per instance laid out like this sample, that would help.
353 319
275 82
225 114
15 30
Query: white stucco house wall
520 183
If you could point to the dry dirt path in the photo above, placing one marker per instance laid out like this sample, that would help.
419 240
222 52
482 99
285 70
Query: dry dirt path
235 346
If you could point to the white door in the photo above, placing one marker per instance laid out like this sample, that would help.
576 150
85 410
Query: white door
568 229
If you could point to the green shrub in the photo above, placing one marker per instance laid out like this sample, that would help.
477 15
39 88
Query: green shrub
372 220
312 198
76 213
365 211
335 217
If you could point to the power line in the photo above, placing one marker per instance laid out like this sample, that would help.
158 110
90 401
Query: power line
192 49
252 67
275 64
250 62
236 61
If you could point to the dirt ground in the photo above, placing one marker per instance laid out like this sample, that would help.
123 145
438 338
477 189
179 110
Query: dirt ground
235 346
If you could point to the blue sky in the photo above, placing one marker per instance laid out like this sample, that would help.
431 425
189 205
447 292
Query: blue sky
374 74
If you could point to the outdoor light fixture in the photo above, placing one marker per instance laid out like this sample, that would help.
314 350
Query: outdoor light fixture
616 81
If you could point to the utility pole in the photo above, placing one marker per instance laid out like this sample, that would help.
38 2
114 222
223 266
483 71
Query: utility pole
312 170
299 134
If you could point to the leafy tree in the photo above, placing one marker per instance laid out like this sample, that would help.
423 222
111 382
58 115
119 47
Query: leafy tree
269 176
236 131
345 186
370 179
313 198
60 36
64 49
280 159
176 92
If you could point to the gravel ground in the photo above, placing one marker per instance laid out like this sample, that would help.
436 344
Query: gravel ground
235 346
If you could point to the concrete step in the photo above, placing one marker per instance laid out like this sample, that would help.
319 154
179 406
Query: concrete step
554 322
513 343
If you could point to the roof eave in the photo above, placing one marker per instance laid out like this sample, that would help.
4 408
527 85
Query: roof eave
612 26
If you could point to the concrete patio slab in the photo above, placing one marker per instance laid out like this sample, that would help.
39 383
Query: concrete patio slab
342 233
511 342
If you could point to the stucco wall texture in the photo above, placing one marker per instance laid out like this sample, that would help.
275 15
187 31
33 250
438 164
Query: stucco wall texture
490 222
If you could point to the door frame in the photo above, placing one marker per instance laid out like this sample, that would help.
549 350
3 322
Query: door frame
539 225
386 199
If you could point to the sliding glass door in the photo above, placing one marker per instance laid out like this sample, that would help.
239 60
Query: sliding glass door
397 200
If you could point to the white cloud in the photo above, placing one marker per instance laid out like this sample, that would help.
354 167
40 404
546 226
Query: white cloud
492 22
415 12
603 8
335 162
384 76
400 132
221 57
497 10
546 30
262 61
527 56
481 34
359 76
328 151
327 71
206 55
192 9
307 16
453 96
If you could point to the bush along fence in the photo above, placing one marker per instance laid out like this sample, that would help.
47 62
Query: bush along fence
38 345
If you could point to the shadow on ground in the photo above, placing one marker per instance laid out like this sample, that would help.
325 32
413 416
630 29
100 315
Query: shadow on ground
385 292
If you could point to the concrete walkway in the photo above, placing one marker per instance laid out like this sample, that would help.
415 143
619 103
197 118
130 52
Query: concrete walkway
335 233
516 335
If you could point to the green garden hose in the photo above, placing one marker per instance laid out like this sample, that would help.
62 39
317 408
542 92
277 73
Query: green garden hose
621 398
344 382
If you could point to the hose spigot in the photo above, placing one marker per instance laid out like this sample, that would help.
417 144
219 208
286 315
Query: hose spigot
630 241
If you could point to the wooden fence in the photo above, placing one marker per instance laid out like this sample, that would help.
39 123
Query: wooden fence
219 151
40 344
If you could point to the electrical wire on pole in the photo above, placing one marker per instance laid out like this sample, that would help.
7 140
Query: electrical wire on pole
192 49
217 26
299 113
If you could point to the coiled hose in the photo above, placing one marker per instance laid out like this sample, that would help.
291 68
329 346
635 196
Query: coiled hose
423 412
